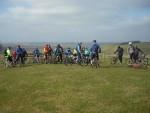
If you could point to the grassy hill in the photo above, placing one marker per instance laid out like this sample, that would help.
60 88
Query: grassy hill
110 48
74 89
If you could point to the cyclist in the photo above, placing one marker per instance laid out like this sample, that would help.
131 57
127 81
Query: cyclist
59 53
95 49
68 56
19 53
119 53
46 53
130 51
36 55
8 57
79 50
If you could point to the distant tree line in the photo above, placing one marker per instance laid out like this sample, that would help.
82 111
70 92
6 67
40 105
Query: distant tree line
134 42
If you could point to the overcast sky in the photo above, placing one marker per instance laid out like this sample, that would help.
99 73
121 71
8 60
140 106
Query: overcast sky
74 20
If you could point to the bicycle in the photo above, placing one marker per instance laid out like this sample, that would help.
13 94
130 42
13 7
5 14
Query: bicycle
142 61
95 62
86 60
8 62
114 59
68 60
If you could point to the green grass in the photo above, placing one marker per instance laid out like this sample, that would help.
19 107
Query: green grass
74 89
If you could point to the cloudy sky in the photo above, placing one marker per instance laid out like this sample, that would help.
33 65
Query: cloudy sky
74 20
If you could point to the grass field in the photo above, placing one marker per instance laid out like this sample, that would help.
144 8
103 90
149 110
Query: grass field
73 89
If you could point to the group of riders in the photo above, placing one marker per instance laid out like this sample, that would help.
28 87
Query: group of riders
77 55
135 53
19 55
57 55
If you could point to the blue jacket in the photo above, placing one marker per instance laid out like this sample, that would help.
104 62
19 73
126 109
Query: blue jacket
95 48
19 51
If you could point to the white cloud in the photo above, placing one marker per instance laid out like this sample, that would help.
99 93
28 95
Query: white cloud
40 9
73 18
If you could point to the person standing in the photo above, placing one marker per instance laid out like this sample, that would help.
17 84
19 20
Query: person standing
130 51
36 55
59 53
95 49
136 54
19 53
78 49
50 53
119 53
46 53
24 54
8 57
